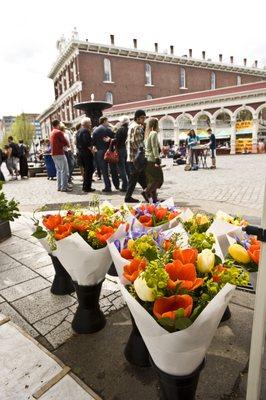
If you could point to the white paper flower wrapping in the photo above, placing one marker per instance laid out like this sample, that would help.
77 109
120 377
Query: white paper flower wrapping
85 265
225 234
179 353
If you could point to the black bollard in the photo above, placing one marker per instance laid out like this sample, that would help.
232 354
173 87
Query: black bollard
62 283
178 387
88 317
136 351
112 270
226 315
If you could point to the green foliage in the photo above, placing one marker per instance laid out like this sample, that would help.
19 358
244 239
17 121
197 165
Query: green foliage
177 324
40 233
8 208
22 129
201 241
156 278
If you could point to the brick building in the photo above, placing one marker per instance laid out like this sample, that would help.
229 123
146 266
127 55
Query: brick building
122 75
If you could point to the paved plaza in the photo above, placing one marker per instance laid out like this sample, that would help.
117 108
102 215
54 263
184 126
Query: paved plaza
26 274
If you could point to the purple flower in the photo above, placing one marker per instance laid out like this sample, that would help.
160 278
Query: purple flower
117 244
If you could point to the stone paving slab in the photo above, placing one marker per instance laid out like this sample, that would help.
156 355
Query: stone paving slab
48 324
36 260
9 311
7 263
42 304
16 275
24 289
47 271
60 334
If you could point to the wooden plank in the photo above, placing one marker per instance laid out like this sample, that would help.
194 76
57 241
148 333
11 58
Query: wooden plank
51 383
4 320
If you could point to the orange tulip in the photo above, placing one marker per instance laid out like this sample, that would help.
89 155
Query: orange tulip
185 256
161 213
254 252
126 253
172 215
166 307
183 274
62 231
167 244
145 220
52 221
104 233
216 277
132 270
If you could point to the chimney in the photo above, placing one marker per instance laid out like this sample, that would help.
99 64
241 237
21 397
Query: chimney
203 55
256 64
245 62
172 49
156 47
220 57
190 53
135 43
112 40
232 59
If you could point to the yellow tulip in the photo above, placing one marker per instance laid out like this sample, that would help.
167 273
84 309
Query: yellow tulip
205 261
239 253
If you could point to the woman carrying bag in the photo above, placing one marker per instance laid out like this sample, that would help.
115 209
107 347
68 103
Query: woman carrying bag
154 173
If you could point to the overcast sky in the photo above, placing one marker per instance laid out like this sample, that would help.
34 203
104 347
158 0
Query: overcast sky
29 30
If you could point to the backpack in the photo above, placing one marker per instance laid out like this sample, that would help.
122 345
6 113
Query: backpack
15 150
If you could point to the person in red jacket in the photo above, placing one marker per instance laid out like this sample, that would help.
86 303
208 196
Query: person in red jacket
58 141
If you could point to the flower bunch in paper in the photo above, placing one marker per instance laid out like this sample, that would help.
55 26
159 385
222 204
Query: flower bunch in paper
154 215
198 223
245 252
234 220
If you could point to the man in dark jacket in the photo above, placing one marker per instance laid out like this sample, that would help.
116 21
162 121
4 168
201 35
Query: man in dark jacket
85 154
120 139
101 140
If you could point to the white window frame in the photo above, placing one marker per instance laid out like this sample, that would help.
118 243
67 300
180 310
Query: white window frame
149 97
213 81
238 80
148 75
107 76
182 78
111 97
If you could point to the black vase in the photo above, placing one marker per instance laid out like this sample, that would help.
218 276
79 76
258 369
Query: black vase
178 387
136 351
88 317
112 270
62 283
226 314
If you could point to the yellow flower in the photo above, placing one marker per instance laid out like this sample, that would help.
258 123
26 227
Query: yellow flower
205 261
239 253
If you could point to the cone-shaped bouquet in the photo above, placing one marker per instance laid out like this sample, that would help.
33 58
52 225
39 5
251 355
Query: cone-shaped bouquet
177 297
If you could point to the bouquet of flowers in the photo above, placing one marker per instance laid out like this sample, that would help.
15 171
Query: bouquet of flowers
159 216
198 223
177 297
238 220
245 252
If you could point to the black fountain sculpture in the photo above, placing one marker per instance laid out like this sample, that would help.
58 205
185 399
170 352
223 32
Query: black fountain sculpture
93 109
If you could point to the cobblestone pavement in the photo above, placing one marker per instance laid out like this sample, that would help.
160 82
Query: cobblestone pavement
236 185
26 273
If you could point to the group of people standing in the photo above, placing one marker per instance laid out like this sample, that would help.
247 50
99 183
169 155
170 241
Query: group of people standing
14 155
137 156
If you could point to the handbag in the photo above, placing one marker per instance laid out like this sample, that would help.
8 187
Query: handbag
111 155
140 161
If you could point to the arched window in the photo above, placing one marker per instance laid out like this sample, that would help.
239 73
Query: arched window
238 80
182 78
109 97
149 97
213 80
148 78
107 70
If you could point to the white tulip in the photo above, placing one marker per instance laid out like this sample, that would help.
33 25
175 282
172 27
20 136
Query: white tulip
143 291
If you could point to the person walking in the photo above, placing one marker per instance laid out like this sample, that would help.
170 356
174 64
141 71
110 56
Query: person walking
193 140
212 145
13 160
153 170
58 142
85 153
23 161
102 136
134 144
69 151
120 140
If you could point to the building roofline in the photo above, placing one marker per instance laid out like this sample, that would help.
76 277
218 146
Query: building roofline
78 45
229 90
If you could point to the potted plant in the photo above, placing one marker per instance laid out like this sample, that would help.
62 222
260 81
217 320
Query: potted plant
8 212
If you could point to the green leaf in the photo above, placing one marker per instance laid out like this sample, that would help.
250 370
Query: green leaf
40 233
218 260
182 323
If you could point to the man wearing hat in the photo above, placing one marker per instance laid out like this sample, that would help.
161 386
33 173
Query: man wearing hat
134 143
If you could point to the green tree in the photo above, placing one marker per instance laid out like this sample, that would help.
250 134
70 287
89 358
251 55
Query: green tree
22 129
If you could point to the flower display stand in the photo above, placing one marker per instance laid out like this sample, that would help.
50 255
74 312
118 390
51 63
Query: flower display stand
5 231
88 317
178 387
62 283
136 351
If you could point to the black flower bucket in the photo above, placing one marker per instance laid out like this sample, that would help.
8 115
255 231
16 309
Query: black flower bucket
136 351
226 315
62 283
178 387
112 270
88 317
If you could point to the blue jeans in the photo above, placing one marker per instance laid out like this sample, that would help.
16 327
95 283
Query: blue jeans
61 171
71 163
122 166
105 171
